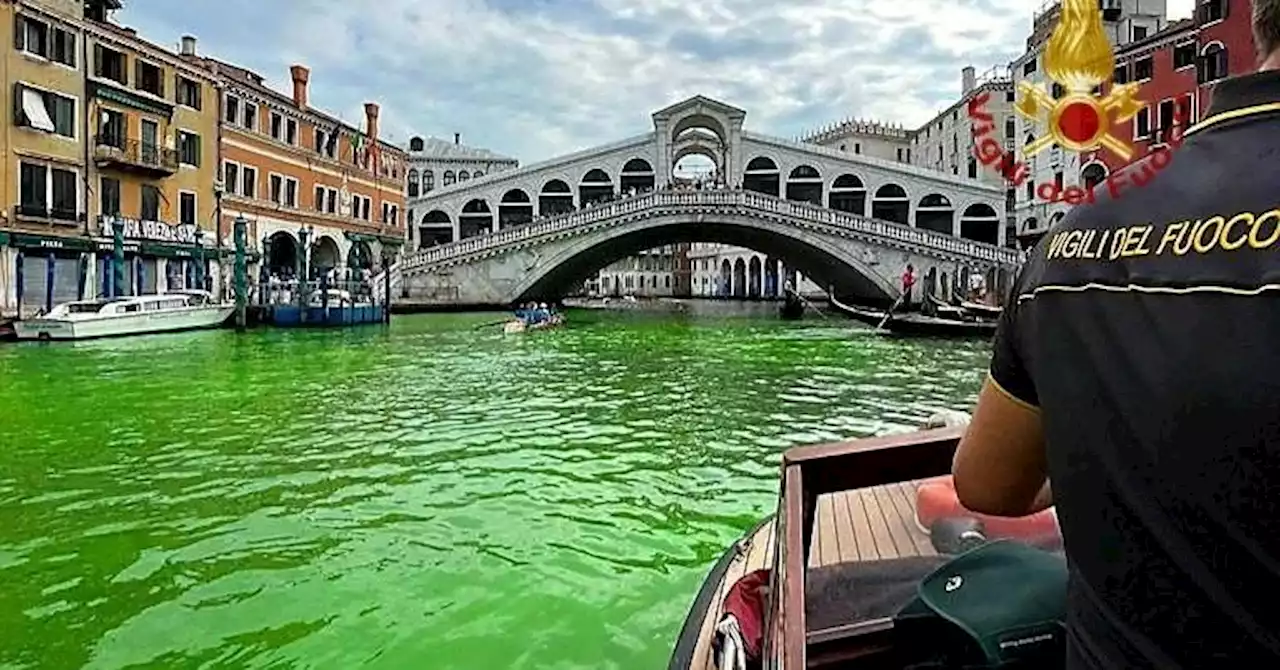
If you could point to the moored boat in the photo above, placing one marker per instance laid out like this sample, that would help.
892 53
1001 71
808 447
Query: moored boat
981 310
844 577
871 317
931 326
131 315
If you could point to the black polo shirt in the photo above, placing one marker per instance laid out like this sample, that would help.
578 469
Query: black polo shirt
1147 330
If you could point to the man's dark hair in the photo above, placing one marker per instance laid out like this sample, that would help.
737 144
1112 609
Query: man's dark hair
1266 26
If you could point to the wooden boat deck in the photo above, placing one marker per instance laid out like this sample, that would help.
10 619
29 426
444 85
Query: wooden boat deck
859 525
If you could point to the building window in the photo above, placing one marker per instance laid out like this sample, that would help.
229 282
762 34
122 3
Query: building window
291 192
109 196
477 174
249 182
319 199
189 93
1139 32
319 135
1212 10
1143 69
367 210
449 178
1121 75
973 168
250 115
276 186
332 206
1213 64
187 208
188 148
899 154
1029 68
857 147
291 132
1059 90
109 64
428 181
1184 55
231 110
463 176
111 128
231 177
1166 116
46 111
150 203
149 78
38 38
47 192
1142 124
277 126
412 180
1010 96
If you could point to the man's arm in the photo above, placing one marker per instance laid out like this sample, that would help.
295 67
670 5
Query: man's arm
1000 467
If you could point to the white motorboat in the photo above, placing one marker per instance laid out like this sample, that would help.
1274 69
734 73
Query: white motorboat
336 298
129 315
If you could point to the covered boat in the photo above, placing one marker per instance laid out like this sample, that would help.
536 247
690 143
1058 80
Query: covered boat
845 576
132 315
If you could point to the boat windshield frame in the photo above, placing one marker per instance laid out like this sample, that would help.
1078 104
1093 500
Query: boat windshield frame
808 472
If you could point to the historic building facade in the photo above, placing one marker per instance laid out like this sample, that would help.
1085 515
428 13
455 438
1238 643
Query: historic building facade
318 193
434 163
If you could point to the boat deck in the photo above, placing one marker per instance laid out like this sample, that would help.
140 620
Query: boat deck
860 525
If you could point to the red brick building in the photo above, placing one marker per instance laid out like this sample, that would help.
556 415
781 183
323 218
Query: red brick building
1177 67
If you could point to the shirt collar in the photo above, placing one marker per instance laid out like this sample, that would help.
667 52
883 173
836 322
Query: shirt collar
1246 91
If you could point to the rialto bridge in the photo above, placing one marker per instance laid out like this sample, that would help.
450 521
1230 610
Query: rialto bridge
846 220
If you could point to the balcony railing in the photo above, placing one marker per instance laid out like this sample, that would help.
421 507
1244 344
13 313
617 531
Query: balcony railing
124 153
42 212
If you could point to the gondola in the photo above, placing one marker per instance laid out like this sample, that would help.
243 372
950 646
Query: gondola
916 325
846 576
981 310
871 317
945 310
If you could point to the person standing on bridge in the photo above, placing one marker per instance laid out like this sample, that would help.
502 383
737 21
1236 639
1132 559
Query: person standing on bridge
1144 386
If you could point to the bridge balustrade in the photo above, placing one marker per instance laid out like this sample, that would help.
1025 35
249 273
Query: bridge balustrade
884 230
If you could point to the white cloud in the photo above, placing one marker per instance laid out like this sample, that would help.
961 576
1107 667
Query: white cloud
536 78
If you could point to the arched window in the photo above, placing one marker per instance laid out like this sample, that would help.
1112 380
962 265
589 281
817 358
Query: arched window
477 174
463 176
428 180
449 178
413 183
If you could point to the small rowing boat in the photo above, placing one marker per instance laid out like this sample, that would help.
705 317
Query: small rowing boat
917 325
521 326
981 310
847 576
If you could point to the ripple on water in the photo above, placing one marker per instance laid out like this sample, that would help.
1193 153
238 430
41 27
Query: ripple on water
424 494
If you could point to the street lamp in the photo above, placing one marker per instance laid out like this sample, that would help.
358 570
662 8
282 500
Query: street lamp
200 279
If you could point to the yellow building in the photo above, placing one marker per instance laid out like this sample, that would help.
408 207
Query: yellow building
128 137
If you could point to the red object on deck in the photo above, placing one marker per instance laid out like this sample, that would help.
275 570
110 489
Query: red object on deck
937 499
746 601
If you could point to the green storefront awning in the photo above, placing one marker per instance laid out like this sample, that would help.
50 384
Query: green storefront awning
360 237
4 238
389 241
31 241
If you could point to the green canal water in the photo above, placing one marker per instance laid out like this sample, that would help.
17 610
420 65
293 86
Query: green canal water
425 495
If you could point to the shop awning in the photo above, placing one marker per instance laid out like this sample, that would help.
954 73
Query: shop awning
170 250
4 238
35 111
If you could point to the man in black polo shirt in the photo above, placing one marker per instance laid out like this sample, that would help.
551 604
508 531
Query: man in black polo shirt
1138 367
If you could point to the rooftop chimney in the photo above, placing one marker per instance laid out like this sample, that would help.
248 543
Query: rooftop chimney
457 138
371 121
301 76
968 80
188 45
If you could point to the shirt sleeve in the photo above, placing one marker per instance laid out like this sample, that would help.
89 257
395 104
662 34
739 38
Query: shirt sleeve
1009 371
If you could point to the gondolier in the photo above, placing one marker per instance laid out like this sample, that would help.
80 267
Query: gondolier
1141 375
908 281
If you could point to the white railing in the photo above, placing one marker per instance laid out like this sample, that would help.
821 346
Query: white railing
745 202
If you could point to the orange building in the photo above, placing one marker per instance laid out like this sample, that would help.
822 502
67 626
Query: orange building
303 179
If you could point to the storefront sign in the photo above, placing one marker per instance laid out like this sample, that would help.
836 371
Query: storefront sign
51 243
152 231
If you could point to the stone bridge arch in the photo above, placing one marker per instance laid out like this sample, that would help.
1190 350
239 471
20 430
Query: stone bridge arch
850 271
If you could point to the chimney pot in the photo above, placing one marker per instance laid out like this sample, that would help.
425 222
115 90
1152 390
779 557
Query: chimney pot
371 120
968 80
301 75
188 45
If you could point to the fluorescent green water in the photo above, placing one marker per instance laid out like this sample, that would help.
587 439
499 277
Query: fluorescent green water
429 495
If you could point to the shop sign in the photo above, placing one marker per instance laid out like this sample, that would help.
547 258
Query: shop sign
151 231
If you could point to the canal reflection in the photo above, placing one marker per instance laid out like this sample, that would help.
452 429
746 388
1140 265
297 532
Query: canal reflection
428 494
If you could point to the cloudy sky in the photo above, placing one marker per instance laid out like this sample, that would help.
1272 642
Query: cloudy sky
536 78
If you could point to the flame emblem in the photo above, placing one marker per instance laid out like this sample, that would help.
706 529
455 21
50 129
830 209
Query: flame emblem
1078 57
